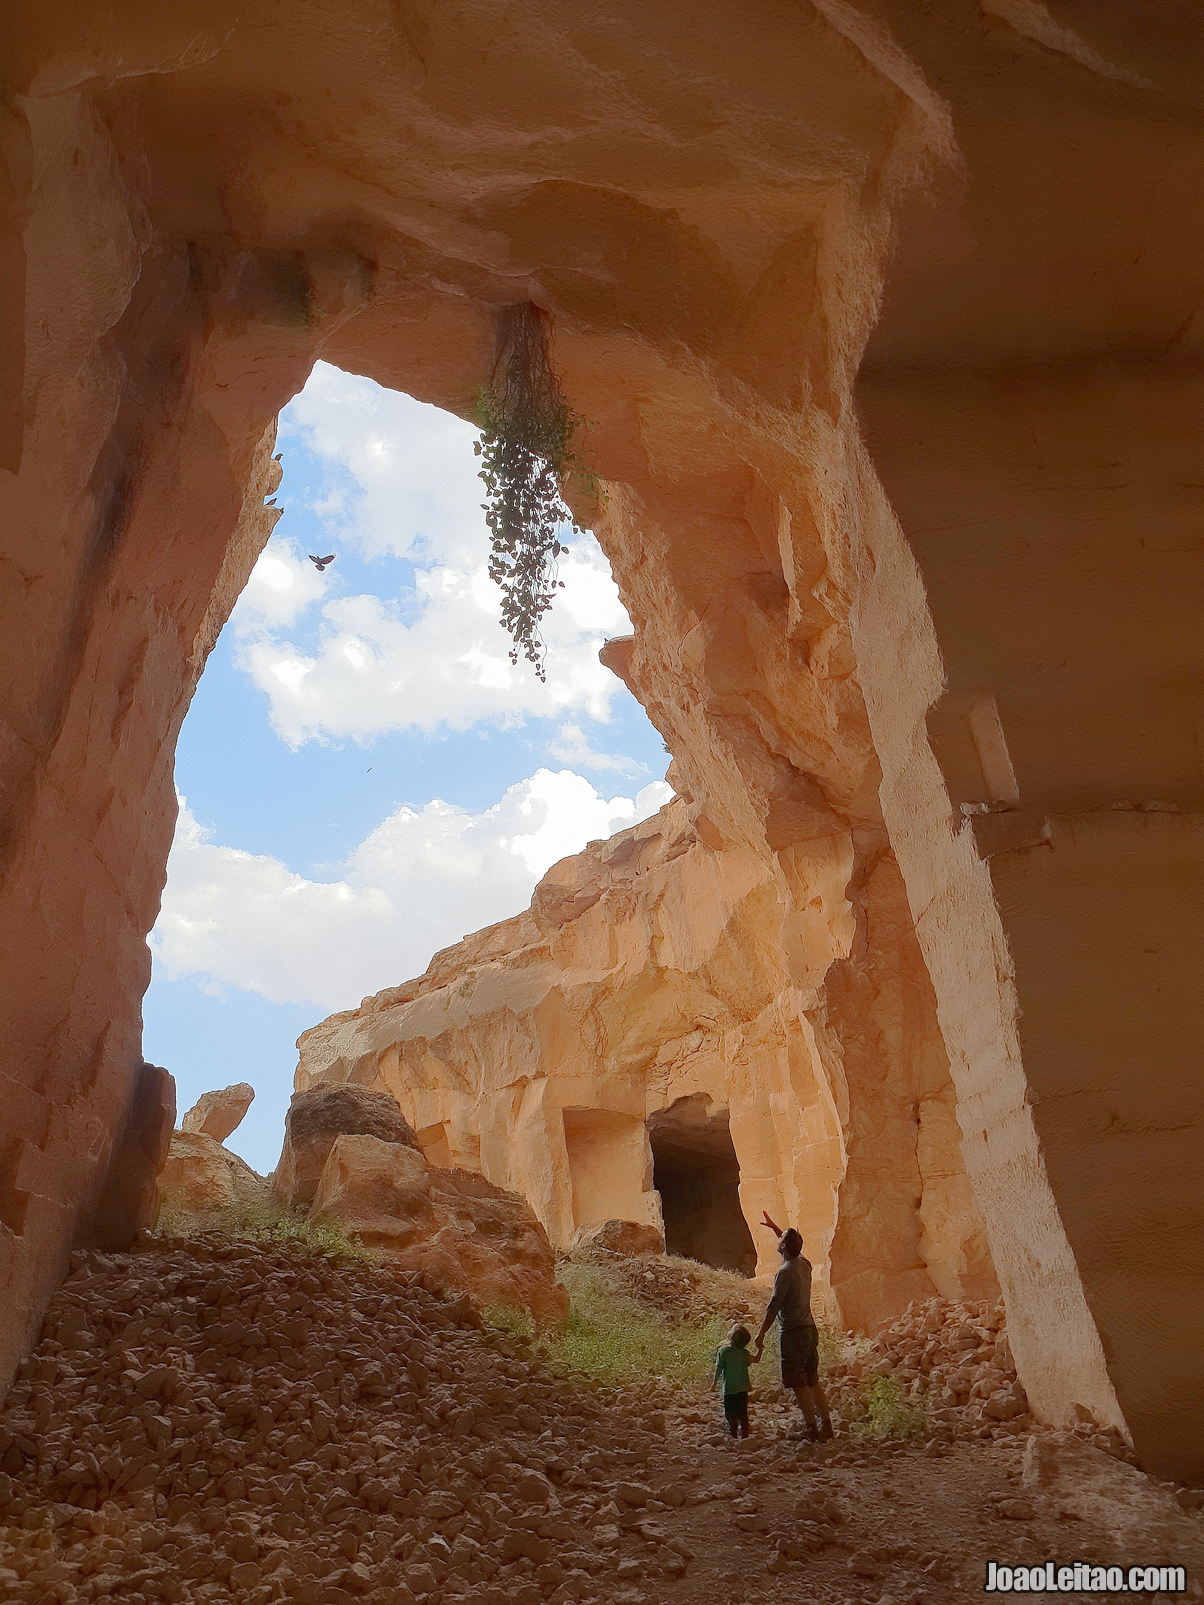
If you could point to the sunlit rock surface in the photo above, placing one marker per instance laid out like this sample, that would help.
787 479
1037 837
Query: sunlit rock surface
653 980
201 1177
219 1114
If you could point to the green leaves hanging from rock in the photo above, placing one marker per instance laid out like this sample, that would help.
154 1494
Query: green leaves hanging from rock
525 450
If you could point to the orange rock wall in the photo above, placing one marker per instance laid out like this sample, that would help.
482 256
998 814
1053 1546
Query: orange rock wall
130 526
876 309
653 967
1069 708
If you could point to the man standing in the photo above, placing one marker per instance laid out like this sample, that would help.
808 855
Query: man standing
790 1306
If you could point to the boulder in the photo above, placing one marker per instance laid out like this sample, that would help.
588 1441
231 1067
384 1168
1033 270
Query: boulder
379 1190
625 1237
200 1177
497 1243
219 1114
1085 1483
316 1118
453 1224
129 1201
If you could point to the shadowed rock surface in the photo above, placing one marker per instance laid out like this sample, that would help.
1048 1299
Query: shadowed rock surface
457 1227
218 1420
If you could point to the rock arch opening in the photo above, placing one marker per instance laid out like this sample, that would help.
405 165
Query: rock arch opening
697 1174
367 623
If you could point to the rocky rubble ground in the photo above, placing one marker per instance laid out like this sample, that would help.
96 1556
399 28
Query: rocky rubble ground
955 1363
225 1421
953 1360
353 1162
677 1289
220 1421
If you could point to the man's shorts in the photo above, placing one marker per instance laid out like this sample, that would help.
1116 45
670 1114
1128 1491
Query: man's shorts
800 1356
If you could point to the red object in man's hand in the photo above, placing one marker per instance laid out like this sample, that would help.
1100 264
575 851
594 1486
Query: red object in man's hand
773 1226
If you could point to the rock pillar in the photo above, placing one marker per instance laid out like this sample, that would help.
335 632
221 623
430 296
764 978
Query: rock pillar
1045 807
132 503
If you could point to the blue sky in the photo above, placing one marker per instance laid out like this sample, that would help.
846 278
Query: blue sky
365 777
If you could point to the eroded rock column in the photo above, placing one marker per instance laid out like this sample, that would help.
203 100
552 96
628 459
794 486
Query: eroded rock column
1046 813
132 502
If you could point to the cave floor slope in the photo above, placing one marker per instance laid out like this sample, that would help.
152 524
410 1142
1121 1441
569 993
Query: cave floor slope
262 1423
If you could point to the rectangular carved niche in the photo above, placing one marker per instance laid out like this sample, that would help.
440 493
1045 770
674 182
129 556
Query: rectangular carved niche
967 739
608 1164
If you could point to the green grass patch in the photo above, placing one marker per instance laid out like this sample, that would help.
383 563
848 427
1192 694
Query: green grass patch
833 1350
610 1338
510 1320
265 1221
881 1408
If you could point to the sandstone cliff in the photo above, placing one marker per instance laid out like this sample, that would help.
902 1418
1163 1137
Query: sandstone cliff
887 317
651 985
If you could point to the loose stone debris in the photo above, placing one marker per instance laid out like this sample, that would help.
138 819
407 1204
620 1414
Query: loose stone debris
220 1420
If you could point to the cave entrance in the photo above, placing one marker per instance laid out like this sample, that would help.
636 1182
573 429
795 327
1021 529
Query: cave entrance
697 1174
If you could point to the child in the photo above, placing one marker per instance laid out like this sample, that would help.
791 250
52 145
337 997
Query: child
731 1378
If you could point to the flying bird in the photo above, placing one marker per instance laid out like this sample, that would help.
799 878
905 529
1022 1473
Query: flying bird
320 562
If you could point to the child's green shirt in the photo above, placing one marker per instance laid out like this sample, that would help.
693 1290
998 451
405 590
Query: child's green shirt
731 1369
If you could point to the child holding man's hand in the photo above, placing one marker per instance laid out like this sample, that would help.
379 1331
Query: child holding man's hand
731 1378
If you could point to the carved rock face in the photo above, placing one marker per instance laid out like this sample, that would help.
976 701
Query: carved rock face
682 1044
843 297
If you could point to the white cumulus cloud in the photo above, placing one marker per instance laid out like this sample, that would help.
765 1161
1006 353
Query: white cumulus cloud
437 659
420 881
570 745
282 585
413 489
402 482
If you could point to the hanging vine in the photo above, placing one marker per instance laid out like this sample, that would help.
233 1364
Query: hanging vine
525 451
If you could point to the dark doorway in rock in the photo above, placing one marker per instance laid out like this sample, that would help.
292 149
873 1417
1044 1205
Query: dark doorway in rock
697 1174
